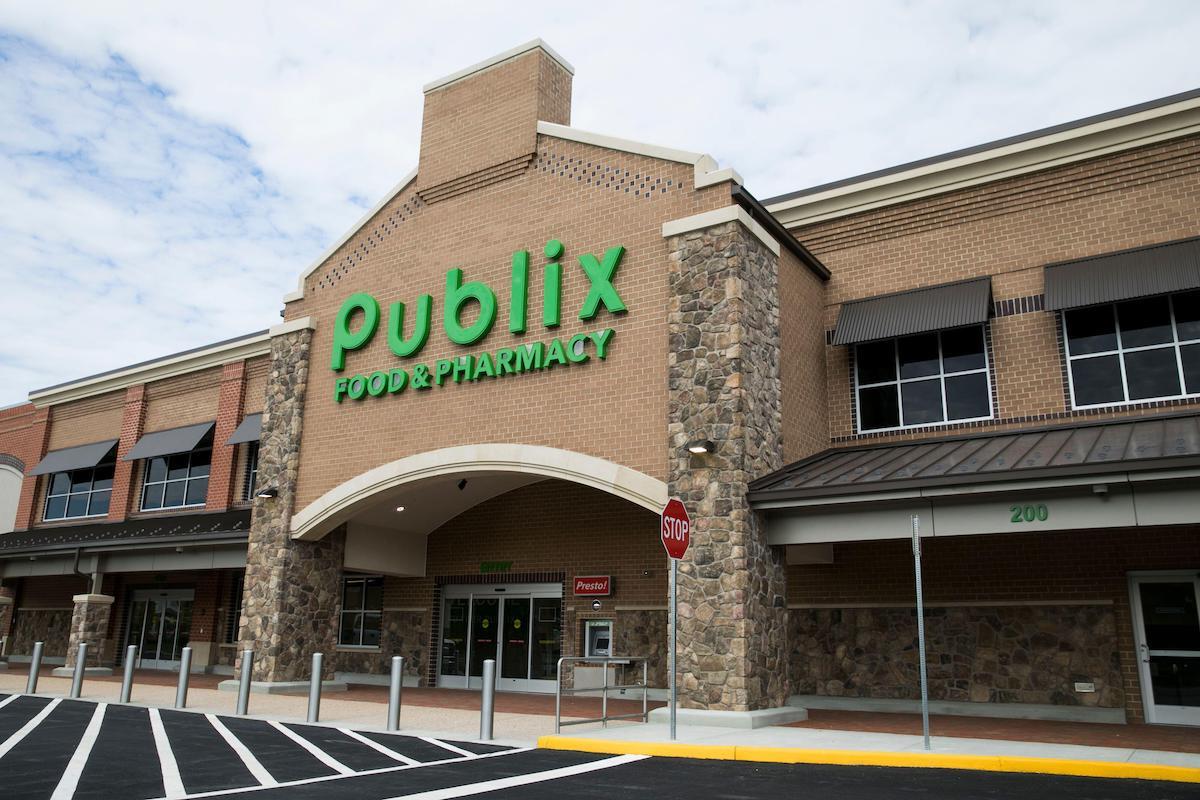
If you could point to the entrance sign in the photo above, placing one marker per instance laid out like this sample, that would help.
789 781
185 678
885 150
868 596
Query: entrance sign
675 530
593 586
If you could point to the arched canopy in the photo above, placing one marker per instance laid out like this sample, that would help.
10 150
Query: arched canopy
524 463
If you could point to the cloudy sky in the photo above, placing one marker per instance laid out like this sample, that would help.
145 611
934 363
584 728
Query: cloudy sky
166 171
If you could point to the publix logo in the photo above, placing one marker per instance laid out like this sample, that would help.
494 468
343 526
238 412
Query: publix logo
360 318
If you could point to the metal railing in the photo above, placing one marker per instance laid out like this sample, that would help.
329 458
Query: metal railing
605 688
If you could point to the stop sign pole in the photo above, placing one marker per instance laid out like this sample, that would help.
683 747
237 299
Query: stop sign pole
676 533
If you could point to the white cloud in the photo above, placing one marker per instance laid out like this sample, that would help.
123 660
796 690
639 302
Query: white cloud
167 171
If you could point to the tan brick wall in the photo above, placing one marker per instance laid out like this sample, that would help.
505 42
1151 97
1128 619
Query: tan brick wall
257 370
801 367
1009 230
184 400
85 421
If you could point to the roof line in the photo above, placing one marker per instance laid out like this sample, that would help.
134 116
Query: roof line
496 60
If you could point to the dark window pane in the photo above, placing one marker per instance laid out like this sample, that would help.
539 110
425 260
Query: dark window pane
156 470
1187 315
56 507
1191 367
374 600
100 502
201 458
370 630
1097 380
352 596
173 494
152 496
1145 322
1152 373
197 491
919 355
102 478
81 480
350 627
178 467
922 402
962 349
77 505
878 408
876 362
1091 330
967 396
199 470
1170 616
60 483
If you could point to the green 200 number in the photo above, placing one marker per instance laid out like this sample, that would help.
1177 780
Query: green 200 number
1029 513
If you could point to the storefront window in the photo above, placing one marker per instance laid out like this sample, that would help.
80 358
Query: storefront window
927 379
1146 349
362 612
251 470
79 493
178 480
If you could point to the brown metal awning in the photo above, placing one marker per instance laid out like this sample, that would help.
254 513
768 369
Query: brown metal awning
169 442
84 456
250 430
1141 272
933 308
1158 443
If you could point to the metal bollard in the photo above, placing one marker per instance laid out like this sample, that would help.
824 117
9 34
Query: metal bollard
393 719
314 688
127 680
80 666
35 666
185 673
487 707
243 701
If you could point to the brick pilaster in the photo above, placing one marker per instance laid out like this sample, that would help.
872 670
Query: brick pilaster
27 512
221 479
132 421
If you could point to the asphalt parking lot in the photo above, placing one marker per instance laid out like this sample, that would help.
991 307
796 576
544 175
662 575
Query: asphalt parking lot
62 749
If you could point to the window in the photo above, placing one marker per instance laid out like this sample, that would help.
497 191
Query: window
233 617
177 481
362 608
1138 350
926 379
251 470
79 493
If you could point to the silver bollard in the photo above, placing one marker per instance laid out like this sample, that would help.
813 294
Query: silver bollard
243 703
393 720
488 706
185 674
314 688
80 666
127 680
35 666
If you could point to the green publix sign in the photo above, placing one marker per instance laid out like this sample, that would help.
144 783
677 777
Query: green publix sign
523 358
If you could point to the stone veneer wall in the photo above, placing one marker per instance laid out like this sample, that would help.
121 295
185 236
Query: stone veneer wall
49 625
986 654
404 634
643 633
89 623
724 385
292 588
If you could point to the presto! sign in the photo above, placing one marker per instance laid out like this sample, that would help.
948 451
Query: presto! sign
361 318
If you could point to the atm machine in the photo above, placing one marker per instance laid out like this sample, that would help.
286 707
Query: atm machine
597 641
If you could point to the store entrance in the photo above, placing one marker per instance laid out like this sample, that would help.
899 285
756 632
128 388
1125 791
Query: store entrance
518 625
1166 620
159 624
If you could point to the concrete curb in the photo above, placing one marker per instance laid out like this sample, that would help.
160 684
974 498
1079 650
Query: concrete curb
868 758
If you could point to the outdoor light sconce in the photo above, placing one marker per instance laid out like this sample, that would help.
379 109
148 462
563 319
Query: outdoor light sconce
268 493
595 605
701 446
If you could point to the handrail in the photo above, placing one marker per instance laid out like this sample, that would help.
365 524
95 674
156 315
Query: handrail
604 716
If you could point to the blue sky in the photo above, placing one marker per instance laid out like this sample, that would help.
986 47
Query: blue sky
167 172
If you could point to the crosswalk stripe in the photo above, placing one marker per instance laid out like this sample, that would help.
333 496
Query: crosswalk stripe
518 780
448 746
74 771
24 730
317 752
172 782
377 746
253 764
8 700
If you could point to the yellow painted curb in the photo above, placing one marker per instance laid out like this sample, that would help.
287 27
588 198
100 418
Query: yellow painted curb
869 758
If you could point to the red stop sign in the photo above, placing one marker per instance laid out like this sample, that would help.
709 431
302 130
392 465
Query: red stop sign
676 528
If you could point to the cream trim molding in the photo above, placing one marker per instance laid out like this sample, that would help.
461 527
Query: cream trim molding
1043 152
496 60
291 326
341 503
719 216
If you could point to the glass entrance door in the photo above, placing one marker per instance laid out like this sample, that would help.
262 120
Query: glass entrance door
521 631
159 624
1167 622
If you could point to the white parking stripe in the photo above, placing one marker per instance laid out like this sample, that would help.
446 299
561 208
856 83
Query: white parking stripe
71 775
518 780
377 746
448 746
8 700
253 764
317 752
24 730
172 782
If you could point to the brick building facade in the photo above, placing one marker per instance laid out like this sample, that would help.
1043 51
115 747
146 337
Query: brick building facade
491 385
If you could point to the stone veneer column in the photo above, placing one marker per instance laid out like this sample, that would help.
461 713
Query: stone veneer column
724 386
292 587
89 623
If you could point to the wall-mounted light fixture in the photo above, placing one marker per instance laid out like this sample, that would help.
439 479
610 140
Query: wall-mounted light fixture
595 605
701 446
267 493
399 508
462 484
